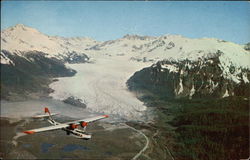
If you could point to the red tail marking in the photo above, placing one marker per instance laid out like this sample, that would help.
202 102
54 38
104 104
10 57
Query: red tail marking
29 132
106 116
46 110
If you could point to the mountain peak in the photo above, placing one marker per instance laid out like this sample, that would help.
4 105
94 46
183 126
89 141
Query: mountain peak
136 37
19 28
173 36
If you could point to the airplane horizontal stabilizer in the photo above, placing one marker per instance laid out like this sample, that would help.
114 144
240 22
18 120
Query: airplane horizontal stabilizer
44 115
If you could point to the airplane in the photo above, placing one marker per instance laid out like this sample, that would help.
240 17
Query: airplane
69 127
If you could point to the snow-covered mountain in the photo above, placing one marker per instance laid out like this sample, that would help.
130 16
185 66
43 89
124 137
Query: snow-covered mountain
174 47
115 61
20 39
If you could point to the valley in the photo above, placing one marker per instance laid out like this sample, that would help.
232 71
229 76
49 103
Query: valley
102 86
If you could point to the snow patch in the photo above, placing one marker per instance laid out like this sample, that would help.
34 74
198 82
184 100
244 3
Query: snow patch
181 87
5 59
245 79
226 94
192 91
230 70
170 67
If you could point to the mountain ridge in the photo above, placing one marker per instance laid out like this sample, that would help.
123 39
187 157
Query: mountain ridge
23 38
20 41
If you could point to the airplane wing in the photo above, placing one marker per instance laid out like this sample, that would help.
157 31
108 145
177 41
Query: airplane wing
92 119
64 125
59 126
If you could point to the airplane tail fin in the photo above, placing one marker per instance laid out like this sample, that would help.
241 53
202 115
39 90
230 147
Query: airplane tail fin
46 110
49 115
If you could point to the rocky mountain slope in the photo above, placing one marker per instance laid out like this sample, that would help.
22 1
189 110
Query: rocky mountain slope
192 79
29 74
199 68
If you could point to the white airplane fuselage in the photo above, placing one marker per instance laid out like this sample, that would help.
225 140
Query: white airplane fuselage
75 132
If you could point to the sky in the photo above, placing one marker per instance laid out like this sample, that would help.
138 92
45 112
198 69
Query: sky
108 20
